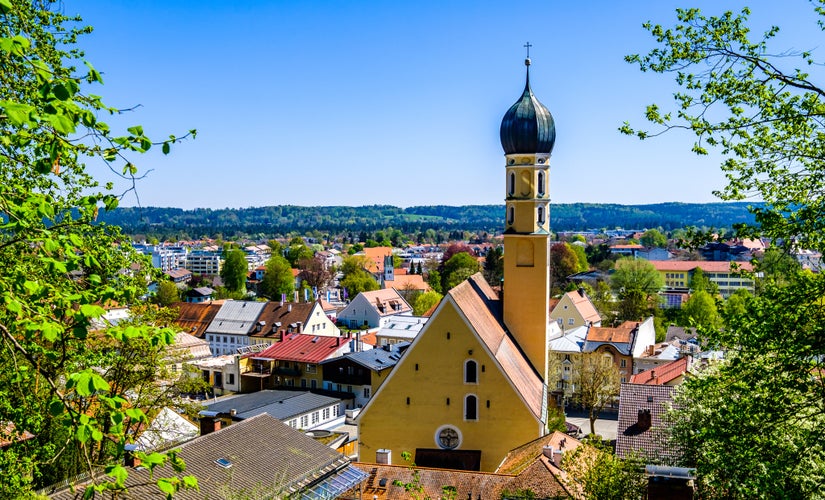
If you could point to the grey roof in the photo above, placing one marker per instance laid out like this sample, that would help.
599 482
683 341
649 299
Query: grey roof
572 341
282 405
237 317
651 442
621 347
268 460
379 358
402 326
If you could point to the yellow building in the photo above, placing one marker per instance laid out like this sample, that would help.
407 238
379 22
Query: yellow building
471 386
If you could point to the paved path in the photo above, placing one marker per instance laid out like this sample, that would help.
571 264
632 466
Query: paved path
606 424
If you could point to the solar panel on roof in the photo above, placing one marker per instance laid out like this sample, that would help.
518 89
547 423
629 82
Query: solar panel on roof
224 462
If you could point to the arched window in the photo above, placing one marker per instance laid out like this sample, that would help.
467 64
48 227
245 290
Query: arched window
470 372
541 183
470 407
541 215
511 184
511 214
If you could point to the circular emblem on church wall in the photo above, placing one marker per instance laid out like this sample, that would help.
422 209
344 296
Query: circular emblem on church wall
447 437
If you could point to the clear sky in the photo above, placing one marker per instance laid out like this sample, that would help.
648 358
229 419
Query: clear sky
391 102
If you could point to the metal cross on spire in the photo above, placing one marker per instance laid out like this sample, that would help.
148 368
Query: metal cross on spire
528 45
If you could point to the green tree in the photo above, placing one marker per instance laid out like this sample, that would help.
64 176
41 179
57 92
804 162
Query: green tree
596 380
354 263
636 282
425 302
234 271
59 267
168 293
777 266
277 279
735 305
581 257
701 283
563 263
460 267
298 252
494 266
434 280
359 281
700 311
653 238
594 473
752 425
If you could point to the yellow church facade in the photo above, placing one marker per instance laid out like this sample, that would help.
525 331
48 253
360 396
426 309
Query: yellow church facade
471 387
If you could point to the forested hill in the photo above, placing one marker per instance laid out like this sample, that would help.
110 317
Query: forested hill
286 218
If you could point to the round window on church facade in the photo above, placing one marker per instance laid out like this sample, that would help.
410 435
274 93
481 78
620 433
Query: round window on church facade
447 437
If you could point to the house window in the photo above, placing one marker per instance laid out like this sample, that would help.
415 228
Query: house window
470 407
315 417
335 411
231 379
570 321
623 363
511 214
326 414
293 423
304 421
311 368
366 392
470 372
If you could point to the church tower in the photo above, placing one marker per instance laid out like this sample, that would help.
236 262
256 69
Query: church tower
527 136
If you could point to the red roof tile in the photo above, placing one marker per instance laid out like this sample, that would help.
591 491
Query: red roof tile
706 266
661 375
303 348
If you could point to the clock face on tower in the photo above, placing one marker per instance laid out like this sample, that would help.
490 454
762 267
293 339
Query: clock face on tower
448 438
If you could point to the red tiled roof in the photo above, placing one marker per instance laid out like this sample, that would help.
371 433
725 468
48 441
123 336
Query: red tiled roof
607 334
384 301
706 266
302 348
286 314
635 439
627 247
585 307
661 375
407 281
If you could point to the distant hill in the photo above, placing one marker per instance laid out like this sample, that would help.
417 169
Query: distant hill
283 219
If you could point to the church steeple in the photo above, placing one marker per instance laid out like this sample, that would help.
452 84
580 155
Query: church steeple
528 134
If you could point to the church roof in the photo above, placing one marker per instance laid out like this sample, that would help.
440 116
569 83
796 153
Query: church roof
482 308
528 126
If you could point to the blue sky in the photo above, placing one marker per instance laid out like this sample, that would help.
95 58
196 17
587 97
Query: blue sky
359 103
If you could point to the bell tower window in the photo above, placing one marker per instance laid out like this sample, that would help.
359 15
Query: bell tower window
511 184
541 215
541 183
511 214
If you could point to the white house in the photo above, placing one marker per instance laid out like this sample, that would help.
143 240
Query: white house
374 309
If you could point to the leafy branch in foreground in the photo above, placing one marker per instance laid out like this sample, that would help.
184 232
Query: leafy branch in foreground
61 409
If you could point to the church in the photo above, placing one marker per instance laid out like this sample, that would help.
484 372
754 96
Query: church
472 386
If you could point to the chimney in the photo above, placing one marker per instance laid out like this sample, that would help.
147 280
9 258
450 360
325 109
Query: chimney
383 457
552 454
129 459
652 374
581 292
281 336
300 326
209 422
643 420
289 308
282 304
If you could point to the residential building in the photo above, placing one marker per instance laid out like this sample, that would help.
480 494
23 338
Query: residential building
672 373
622 344
292 362
194 318
199 294
232 325
566 351
374 309
221 373
625 250
204 262
293 317
470 387
656 355
361 373
179 275
298 409
575 309
168 258
399 329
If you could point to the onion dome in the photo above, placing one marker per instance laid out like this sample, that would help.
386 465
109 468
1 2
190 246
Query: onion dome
528 126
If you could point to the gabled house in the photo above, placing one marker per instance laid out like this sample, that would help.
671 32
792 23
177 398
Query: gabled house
232 325
292 362
575 309
361 373
298 409
194 318
622 344
641 430
400 329
672 373
293 317
199 294
373 309
259 457
179 276
656 355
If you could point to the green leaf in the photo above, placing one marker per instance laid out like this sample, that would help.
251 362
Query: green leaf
61 92
61 123
166 486
18 114
56 408
119 473
91 311
165 148
5 6
97 383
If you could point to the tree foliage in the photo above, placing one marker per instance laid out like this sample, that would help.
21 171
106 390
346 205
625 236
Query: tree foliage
457 269
636 283
60 268
594 473
168 293
277 280
425 302
494 266
563 263
700 311
596 382
234 271
653 238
